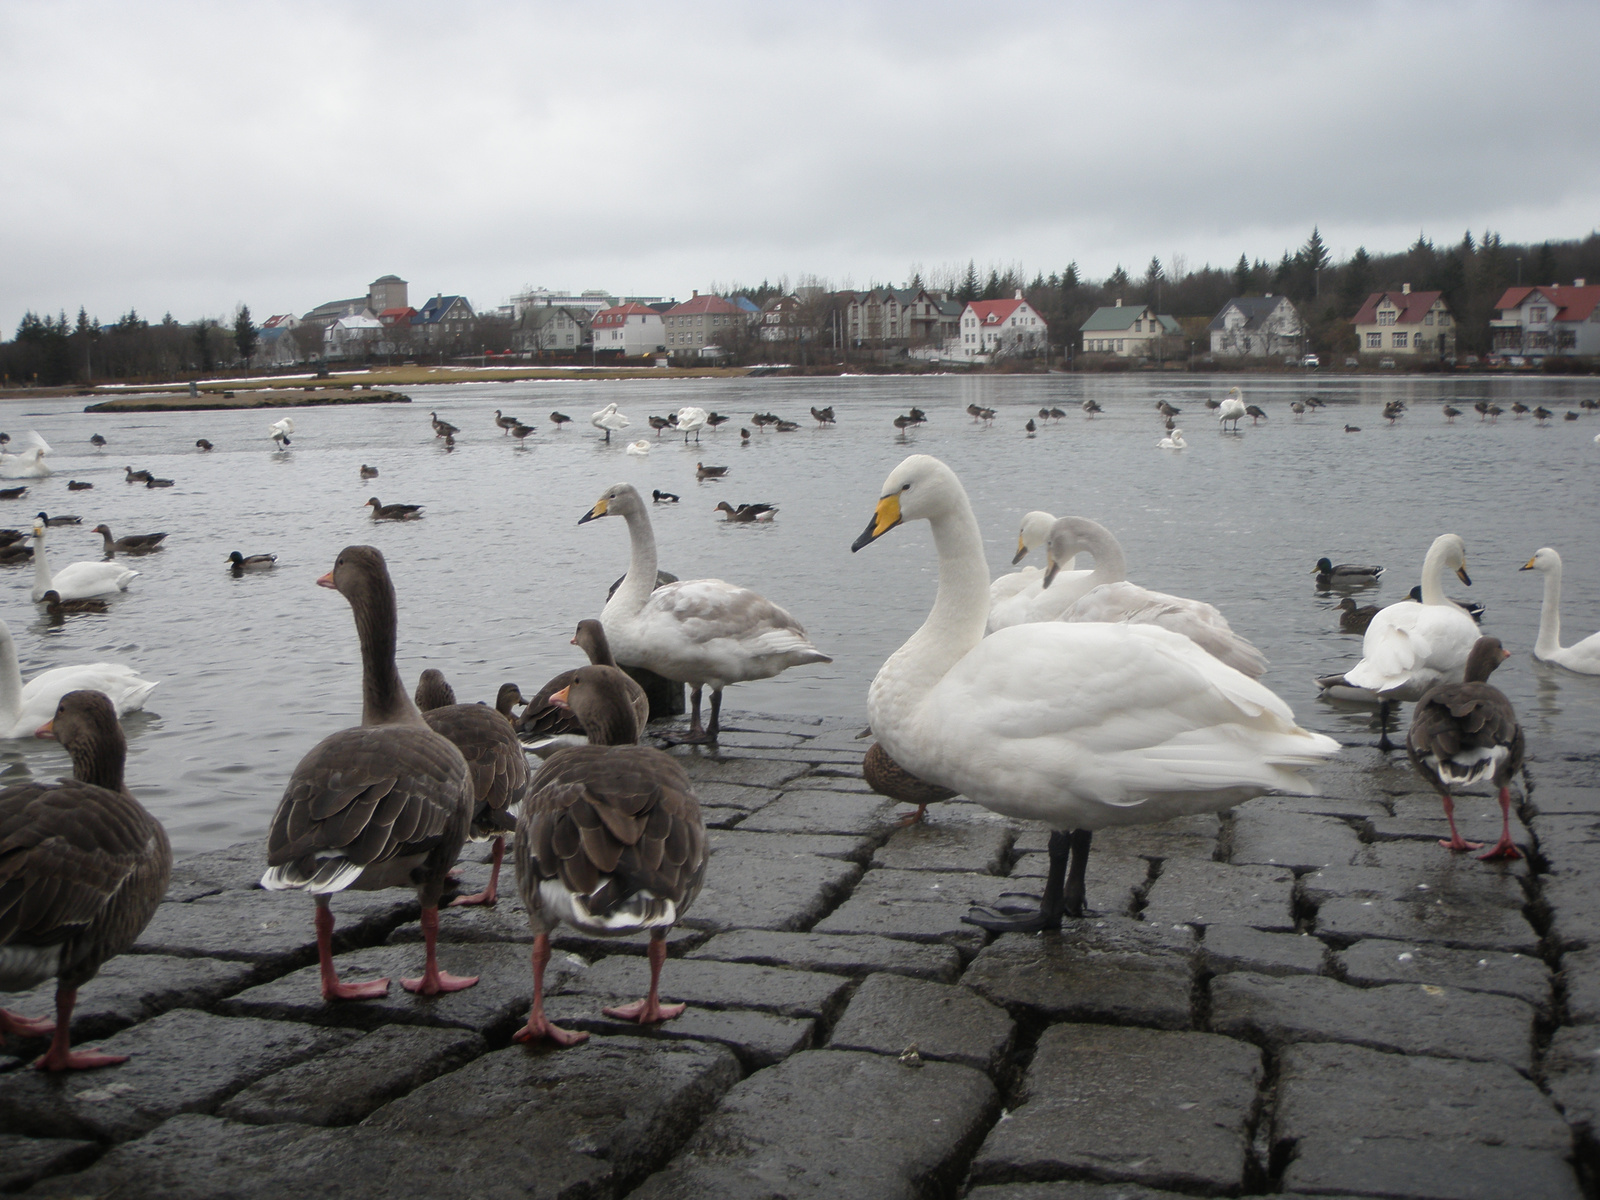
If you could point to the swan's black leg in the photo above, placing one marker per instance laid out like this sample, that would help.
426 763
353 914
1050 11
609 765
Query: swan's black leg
1075 901
1383 725
697 735
1057 890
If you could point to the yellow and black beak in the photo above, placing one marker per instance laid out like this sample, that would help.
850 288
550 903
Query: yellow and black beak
884 518
1022 552
1528 566
1050 568
1461 574
599 510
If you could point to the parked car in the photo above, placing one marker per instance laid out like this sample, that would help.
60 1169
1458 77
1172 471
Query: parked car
1492 360
1516 360
1470 360
1386 363
1350 360
1312 361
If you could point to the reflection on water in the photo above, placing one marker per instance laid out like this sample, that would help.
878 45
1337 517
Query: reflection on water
495 576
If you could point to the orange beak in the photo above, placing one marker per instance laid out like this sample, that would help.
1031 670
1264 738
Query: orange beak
47 730
560 698
326 581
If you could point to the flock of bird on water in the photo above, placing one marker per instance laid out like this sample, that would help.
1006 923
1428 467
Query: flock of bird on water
1058 694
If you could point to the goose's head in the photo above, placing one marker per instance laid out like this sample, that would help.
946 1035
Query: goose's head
598 697
1486 654
1545 560
618 500
1452 553
434 691
357 570
590 637
1032 533
919 489
1069 537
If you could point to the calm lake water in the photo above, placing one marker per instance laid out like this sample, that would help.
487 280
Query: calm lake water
492 581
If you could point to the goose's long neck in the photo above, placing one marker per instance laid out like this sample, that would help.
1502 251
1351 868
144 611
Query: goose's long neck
1432 569
640 580
10 678
101 760
383 698
1550 614
1110 564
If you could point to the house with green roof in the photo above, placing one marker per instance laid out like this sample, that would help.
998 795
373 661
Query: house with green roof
1127 330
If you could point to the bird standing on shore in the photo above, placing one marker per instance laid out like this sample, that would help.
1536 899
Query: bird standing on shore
1231 409
280 431
609 420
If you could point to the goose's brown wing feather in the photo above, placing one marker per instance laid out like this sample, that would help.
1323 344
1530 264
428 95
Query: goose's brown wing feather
540 718
610 822
374 793
80 866
495 761
1464 716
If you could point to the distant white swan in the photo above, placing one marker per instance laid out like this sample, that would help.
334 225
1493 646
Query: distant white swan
609 419
1584 656
25 458
280 430
1232 409
75 581
25 707
1173 441
692 420
641 448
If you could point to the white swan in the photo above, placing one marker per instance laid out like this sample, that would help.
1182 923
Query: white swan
27 462
1057 587
1019 597
1584 656
641 448
1121 601
1231 409
1411 646
78 580
702 632
280 430
1173 441
25 707
1079 726
692 420
609 419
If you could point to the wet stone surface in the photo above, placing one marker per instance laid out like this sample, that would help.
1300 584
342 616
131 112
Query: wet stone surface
1303 996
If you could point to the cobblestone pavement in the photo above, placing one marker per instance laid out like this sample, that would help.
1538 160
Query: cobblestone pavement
1306 996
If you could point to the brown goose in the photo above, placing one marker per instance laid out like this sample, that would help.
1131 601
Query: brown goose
611 841
1464 732
746 513
701 471
889 778
499 769
385 804
134 543
393 512
544 725
82 868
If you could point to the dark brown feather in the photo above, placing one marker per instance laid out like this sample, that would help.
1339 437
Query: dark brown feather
1453 718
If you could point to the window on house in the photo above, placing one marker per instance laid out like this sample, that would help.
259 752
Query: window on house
1374 341
1444 318
1119 345
1538 314
1138 326
1428 320
1399 341
1386 318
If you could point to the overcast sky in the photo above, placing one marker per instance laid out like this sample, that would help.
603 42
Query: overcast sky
190 157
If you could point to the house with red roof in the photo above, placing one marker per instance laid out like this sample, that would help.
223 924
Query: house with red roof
1548 320
630 328
989 329
701 323
1405 322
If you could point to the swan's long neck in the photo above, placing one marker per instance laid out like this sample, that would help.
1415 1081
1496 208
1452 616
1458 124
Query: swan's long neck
383 698
1110 564
1550 614
41 568
10 678
954 626
1432 569
640 580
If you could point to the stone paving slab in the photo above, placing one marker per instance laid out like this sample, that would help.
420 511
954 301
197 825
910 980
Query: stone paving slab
715 985
824 811
133 988
23 1160
1069 1191
759 891
1421 1019
1181 837
350 1081
854 847
1574 905
1559 799
831 1123
1285 839
1114 883
234 868
919 906
1107 970
890 1013
743 770
759 1039
271 929
182 1061
1580 980
1420 816
1242 948
492 1007
1189 892
983 846
839 954
1161 1109
1376 961
1572 1071
1465 924
1362 1122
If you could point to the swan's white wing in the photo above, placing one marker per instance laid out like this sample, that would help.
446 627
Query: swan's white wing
121 684
1411 645
1035 602
1006 586
1583 657
29 441
79 580
1194 619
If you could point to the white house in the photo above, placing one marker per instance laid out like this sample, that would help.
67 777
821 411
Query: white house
1256 327
1548 320
629 329
352 337
991 328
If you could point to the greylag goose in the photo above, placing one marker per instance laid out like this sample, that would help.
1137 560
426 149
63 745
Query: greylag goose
701 471
1255 412
1467 731
83 867
442 428
889 778
387 803
1345 574
702 632
715 419
1451 412
1353 619
393 512
507 424
1582 657
136 476
746 513
560 419
822 416
544 725
75 581
240 563
97 441
984 715
133 543
611 841
499 769
521 432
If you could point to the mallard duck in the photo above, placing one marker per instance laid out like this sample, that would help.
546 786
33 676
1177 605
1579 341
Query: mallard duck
1353 619
240 563
889 778
57 608
77 485
202 444
368 472
1345 574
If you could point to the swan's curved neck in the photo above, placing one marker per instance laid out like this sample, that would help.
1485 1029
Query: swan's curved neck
383 698
41 568
1110 564
1432 570
10 679
1550 614
640 580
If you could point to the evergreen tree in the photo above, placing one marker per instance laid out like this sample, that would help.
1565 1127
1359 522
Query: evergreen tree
1116 284
968 291
1544 265
1316 259
202 343
246 336
993 288
1069 277
1243 277
1355 281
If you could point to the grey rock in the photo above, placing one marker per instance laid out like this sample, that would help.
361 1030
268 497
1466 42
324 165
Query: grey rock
733 795
1106 970
1181 837
716 985
25 1160
840 954
1580 978
182 1061
855 847
1284 839
890 1013
760 1039
1423 857
1376 961
136 987
1419 816
1465 924
233 868
1572 1070
1574 907
758 891
748 771
350 1081
1561 799
753 739
270 929
823 811
919 906
1209 893
829 1123
492 1007
1358 1121
979 845
1240 948
1400 1018
1161 1109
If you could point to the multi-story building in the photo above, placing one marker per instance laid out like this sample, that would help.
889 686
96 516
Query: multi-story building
1127 330
1548 320
700 323
897 316
552 327
445 319
630 328
387 291
990 328
1405 322
1256 327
